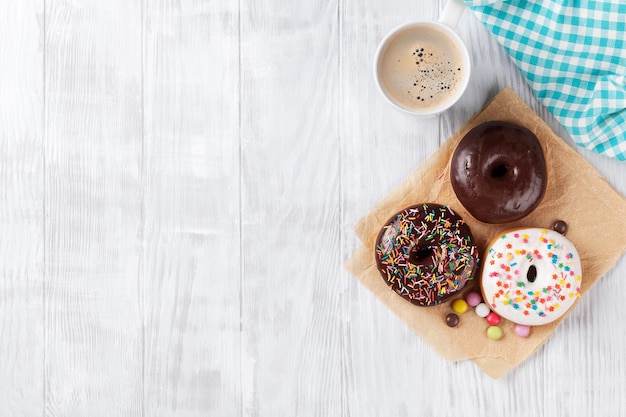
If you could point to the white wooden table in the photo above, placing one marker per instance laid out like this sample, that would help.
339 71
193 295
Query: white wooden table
178 184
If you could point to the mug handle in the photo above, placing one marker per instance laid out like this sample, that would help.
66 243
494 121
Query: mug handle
452 13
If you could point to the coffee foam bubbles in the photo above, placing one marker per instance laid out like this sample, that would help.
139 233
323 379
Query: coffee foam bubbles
421 68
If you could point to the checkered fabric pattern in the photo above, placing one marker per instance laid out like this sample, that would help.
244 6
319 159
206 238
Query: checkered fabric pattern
572 52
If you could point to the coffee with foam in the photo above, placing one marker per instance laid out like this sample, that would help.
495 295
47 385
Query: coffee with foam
421 68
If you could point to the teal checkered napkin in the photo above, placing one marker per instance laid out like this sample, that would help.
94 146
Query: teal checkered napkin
572 52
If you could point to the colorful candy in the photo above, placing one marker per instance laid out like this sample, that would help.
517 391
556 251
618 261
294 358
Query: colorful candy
459 305
482 310
452 320
473 299
494 332
560 227
522 330
493 319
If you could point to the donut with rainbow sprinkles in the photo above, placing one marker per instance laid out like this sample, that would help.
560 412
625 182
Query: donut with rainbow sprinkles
426 254
531 276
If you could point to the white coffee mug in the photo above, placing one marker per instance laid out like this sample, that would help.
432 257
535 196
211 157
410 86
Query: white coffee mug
423 67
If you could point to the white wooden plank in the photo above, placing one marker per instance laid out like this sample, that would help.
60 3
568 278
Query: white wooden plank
92 154
191 263
385 363
290 208
21 208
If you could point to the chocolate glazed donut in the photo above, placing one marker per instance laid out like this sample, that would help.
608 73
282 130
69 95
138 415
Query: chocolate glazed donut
498 172
426 254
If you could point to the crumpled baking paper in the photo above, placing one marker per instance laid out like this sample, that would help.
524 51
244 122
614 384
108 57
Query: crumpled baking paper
576 193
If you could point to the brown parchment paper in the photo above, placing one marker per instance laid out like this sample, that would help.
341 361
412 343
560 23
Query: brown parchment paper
576 193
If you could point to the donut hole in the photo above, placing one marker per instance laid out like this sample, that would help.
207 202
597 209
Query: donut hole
499 171
531 274
421 255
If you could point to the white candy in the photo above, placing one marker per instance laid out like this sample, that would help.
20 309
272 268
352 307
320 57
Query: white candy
482 310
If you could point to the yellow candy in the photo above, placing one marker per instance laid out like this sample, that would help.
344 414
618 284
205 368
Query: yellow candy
459 305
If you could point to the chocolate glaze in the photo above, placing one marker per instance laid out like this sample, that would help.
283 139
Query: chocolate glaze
426 254
498 172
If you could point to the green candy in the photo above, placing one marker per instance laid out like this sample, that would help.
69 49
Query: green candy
494 332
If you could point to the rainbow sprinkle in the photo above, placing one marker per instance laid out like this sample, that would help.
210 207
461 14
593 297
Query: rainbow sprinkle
426 253
543 299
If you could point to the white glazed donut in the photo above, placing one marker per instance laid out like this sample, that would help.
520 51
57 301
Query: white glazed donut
531 276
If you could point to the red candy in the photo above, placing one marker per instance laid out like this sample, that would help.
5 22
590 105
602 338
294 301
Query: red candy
493 319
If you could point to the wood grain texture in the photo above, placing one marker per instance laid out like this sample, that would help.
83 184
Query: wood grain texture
21 209
179 180
93 136
381 146
191 258
290 208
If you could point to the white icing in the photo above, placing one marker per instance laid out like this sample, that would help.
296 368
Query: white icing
505 278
